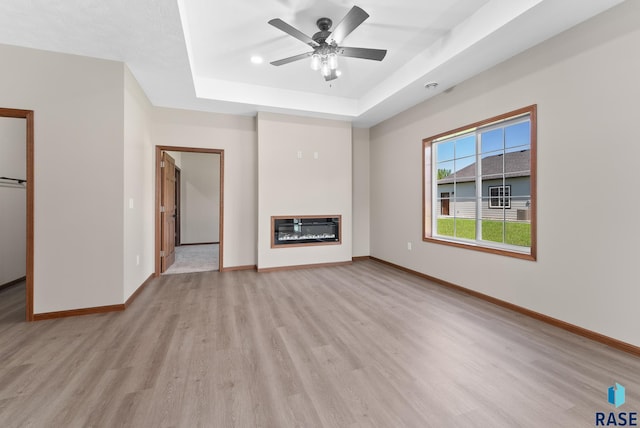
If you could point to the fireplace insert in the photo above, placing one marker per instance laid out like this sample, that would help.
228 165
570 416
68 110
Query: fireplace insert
305 230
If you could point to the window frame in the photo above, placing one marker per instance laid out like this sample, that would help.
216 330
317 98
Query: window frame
428 175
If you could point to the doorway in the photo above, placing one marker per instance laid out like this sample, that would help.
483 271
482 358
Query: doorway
26 181
170 231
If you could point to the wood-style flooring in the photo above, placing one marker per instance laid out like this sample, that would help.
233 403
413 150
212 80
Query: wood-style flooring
363 345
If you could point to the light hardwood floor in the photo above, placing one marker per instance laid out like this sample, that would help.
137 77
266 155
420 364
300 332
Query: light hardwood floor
353 346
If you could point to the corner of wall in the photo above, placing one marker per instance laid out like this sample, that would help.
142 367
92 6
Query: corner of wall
138 196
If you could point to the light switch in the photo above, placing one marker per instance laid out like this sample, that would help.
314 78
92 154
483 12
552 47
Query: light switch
299 154
315 155
130 203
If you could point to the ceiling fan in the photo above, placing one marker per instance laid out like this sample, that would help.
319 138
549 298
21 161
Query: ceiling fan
326 44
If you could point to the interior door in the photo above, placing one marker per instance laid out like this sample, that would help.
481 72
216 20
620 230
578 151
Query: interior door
167 211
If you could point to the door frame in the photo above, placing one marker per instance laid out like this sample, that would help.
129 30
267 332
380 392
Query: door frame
158 237
28 115
178 238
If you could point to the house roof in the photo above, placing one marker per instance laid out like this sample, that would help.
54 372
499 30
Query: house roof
517 164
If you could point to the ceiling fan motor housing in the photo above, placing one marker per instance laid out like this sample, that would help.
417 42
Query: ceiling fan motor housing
323 24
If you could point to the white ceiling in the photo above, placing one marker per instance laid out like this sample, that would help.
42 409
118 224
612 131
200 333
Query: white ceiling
195 54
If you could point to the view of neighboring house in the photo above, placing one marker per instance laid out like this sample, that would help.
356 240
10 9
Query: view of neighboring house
506 188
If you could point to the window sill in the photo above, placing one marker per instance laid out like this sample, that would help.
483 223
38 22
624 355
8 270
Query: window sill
531 256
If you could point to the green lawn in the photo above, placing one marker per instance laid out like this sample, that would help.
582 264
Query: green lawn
517 233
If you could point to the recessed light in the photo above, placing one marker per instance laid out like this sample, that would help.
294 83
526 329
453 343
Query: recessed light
257 59
431 85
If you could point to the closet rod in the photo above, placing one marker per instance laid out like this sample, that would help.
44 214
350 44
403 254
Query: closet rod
19 180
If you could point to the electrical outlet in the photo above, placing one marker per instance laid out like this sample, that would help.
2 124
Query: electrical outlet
409 246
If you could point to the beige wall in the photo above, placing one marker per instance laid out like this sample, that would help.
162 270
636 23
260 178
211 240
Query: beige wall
585 83
200 196
13 199
95 133
78 104
289 185
138 200
361 197
236 135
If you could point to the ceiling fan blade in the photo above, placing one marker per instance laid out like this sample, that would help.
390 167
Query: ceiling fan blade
364 53
292 59
350 22
331 76
294 32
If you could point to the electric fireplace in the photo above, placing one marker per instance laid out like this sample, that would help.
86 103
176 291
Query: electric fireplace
288 231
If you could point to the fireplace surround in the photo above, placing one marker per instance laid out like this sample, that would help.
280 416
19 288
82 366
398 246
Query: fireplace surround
306 230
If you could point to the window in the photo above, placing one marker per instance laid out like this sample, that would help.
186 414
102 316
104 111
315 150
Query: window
480 185
500 196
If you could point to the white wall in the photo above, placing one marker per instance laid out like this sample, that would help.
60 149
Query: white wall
585 83
236 135
361 190
78 104
200 198
13 199
289 185
138 200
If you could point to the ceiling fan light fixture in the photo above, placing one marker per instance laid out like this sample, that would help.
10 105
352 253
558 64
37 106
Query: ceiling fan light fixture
326 70
333 61
315 62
